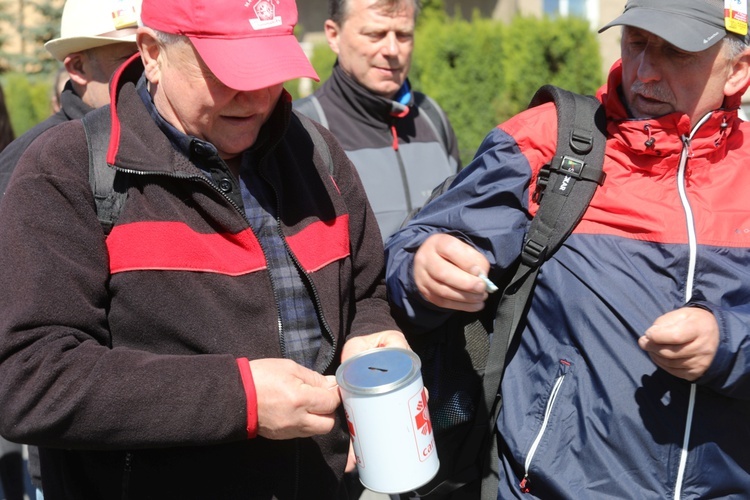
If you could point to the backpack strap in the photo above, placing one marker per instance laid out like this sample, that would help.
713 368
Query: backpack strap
435 117
574 175
318 140
439 124
106 182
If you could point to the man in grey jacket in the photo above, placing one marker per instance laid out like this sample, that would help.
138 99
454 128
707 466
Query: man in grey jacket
399 140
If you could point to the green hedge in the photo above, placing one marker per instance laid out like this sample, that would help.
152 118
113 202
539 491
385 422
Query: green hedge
27 98
484 71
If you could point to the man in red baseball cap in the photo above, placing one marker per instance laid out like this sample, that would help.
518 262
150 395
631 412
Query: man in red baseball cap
188 349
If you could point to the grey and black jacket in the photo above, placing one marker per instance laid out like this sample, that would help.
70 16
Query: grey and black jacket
400 151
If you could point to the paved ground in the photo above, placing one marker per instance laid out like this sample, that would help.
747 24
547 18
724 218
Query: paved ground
371 495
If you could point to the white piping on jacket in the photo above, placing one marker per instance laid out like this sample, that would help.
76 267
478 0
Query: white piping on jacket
693 248
545 422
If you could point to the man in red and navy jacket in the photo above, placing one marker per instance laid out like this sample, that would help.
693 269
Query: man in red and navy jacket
630 377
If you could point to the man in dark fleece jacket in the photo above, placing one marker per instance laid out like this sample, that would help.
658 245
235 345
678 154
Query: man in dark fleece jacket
190 353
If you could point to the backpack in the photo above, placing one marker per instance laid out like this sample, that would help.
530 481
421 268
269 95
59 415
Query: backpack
462 370
110 185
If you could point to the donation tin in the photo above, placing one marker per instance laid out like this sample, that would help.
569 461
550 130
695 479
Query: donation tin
389 423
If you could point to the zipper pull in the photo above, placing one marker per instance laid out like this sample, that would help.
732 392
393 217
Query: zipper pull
525 484
395 137
650 141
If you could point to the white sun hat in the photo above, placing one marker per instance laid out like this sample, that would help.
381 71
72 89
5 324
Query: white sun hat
87 24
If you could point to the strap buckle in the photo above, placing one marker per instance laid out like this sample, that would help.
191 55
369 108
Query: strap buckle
533 253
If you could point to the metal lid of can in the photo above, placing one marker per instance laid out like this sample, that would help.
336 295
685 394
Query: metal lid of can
378 371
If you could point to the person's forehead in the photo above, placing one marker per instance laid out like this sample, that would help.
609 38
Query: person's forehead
712 53
632 31
114 50
376 8
185 59
374 18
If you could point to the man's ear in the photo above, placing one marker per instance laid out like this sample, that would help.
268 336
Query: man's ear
150 49
332 31
75 66
739 74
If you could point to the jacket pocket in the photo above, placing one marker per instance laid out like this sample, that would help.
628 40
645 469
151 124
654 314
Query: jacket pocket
548 409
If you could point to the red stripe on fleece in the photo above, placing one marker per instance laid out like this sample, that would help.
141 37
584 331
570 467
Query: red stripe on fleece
246 375
174 246
321 243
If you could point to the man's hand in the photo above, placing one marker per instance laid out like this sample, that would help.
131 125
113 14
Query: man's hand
355 345
387 338
293 401
446 273
683 342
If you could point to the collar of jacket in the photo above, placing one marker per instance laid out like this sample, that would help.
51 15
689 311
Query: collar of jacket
665 135
138 144
71 105
364 103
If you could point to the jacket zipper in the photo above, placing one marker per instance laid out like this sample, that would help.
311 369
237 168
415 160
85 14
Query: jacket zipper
279 325
318 309
316 298
692 245
126 475
525 483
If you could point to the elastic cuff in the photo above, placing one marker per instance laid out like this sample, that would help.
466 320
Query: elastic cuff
252 401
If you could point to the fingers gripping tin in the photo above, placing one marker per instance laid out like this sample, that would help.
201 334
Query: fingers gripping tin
389 423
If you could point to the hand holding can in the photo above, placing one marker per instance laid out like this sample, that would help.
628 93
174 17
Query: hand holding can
389 423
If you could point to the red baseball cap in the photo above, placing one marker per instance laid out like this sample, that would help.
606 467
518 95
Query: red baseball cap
247 44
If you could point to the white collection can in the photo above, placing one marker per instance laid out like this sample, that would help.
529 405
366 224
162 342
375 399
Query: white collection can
389 423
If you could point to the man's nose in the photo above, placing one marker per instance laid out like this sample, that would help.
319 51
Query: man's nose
390 45
649 65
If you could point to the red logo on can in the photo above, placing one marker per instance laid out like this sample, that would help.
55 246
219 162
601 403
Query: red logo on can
422 420
355 439
422 425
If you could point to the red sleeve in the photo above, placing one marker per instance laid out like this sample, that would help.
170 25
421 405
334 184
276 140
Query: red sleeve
252 401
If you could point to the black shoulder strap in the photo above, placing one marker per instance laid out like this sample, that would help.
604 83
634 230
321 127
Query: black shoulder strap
435 117
109 198
574 174
318 140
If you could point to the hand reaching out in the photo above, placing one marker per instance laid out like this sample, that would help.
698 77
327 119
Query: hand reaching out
446 273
